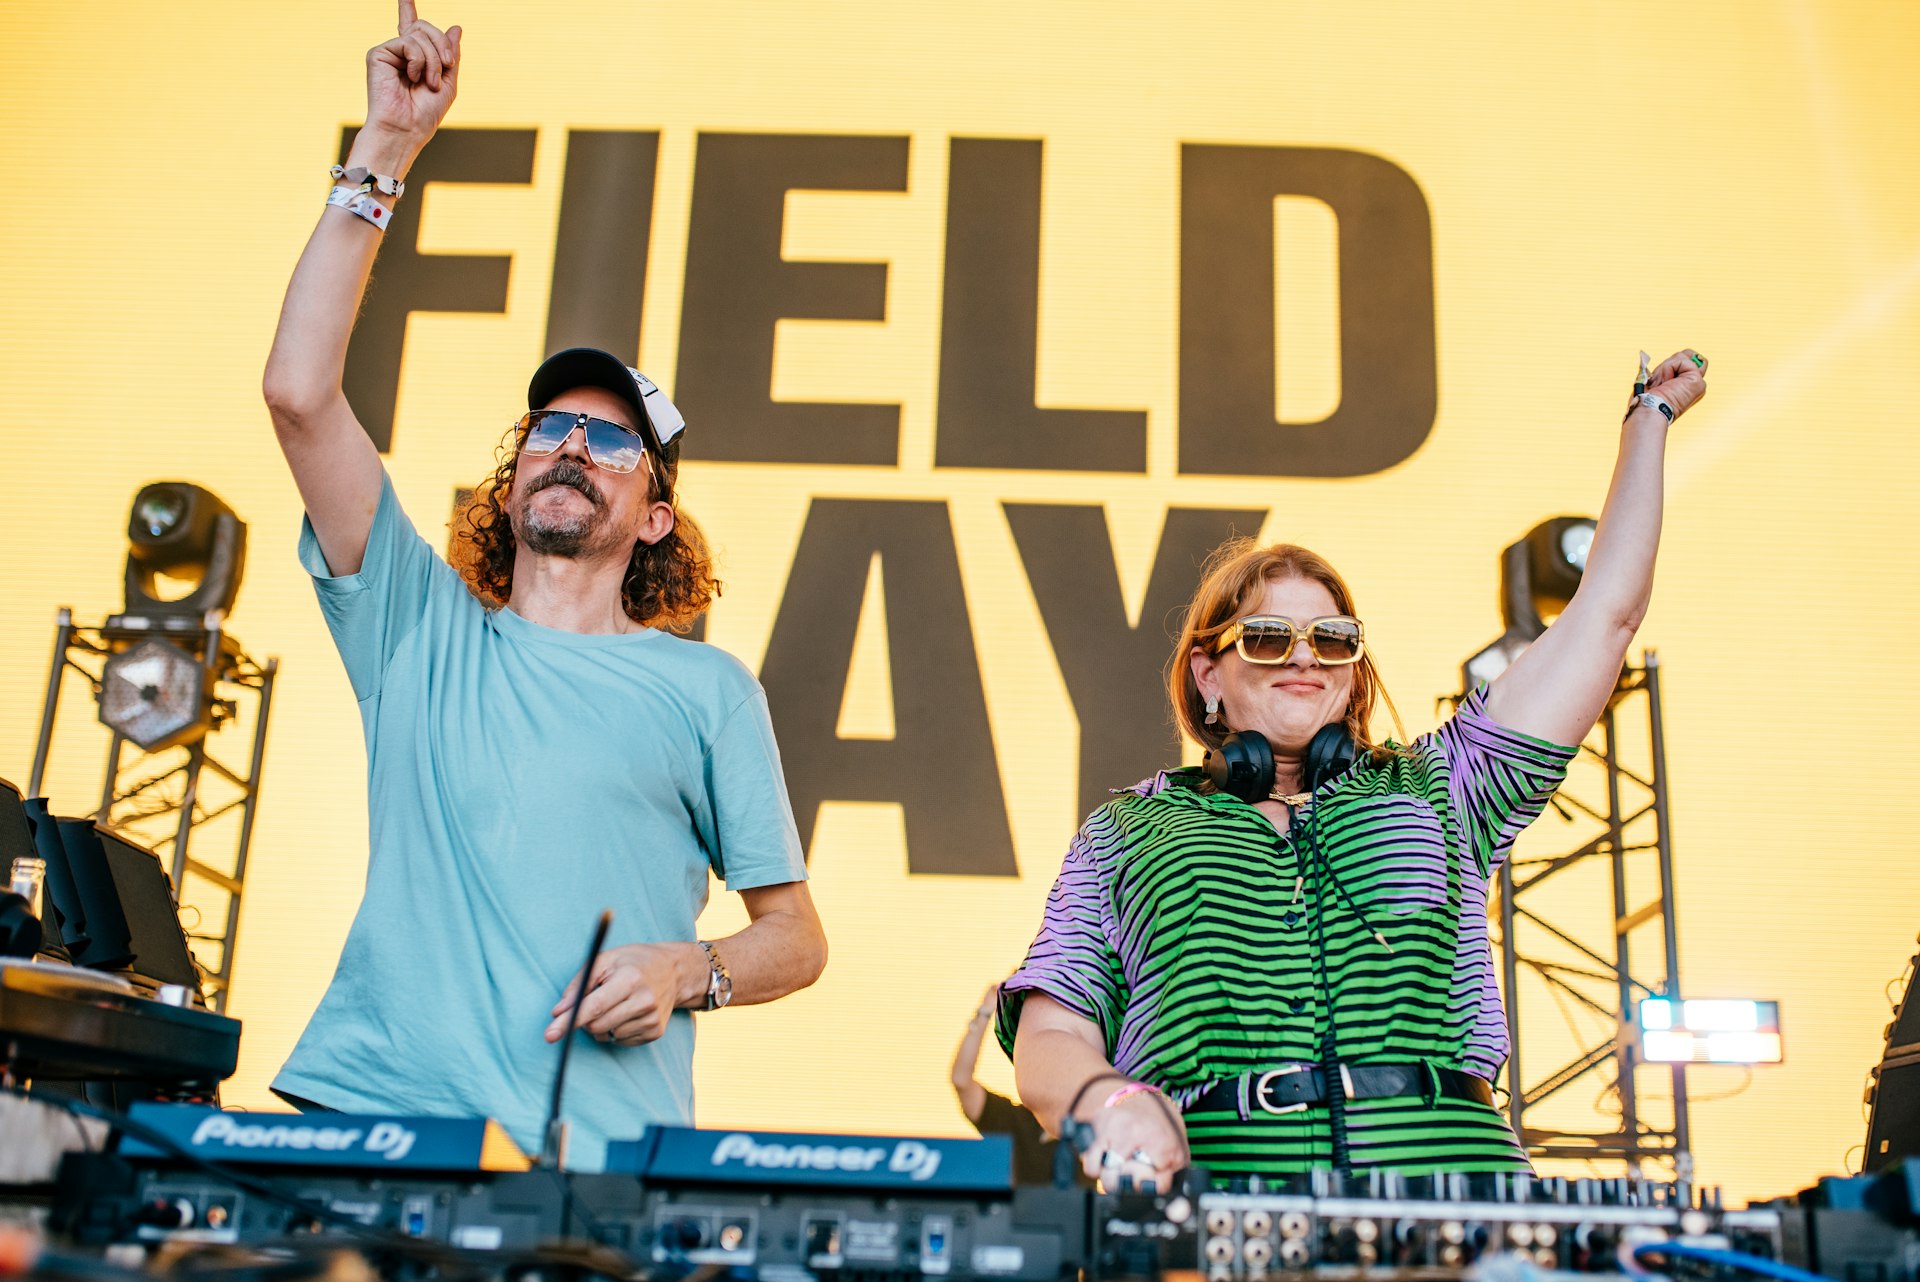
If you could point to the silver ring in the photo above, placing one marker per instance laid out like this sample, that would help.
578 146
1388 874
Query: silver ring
1142 1156
1109 1158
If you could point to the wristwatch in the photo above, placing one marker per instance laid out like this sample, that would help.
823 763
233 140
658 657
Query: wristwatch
719 983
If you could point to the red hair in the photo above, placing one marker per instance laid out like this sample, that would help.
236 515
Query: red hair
1231 575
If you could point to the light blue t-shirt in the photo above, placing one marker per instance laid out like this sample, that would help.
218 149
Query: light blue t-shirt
519 780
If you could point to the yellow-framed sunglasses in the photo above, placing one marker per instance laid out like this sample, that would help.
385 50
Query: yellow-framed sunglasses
1267 638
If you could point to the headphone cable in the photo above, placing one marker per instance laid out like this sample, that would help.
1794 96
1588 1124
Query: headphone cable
1330 1077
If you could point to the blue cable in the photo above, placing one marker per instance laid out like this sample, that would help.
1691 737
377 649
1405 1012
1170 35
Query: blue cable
1759 1264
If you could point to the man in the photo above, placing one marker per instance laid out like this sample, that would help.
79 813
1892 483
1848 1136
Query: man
533 763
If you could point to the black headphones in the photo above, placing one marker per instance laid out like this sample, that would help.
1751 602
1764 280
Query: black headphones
1243 764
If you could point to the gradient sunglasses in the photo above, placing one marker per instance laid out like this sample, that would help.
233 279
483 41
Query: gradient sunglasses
610 446
1267 638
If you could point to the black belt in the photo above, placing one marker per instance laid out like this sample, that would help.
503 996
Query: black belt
1294 1088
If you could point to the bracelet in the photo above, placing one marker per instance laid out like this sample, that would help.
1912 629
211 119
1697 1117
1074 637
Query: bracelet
1073 1106
356 201
1130 1090
367 180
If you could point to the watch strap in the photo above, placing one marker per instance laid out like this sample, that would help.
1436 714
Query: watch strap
719 982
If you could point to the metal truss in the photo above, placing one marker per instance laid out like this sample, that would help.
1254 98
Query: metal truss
162 800
1599 969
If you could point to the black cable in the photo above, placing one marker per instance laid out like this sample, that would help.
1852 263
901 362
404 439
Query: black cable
1333 1082
1067 1122
549 1134
548 1144
1366 922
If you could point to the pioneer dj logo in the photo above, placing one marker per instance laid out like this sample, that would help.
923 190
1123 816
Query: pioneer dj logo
389 1141
911 1158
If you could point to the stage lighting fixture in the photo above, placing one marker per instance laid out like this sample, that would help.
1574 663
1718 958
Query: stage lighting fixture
157 685
1697 1031
1538 577
166 673
181 532
156 694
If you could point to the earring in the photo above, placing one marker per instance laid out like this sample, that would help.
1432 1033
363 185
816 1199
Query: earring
1213 712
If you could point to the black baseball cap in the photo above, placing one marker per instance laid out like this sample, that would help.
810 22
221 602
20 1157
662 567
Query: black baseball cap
657 417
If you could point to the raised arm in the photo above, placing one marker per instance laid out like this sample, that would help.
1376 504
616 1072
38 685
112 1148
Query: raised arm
966 1059
411 81
1557 688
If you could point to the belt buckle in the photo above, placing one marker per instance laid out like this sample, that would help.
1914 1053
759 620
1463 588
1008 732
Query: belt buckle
1260 1090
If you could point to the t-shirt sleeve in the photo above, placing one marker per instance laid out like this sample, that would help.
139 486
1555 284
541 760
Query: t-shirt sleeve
1073 959
372 611
749 833
1501 779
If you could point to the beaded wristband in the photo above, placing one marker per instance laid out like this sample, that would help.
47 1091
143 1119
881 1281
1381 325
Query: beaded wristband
356 201
1130 1090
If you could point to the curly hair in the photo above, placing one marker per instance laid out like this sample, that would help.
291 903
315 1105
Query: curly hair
668 584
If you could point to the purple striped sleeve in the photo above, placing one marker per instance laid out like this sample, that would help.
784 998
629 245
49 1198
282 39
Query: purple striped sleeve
1501 778
1072 959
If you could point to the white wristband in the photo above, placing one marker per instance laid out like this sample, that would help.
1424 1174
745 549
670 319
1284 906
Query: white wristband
366 179
356 201
1657 401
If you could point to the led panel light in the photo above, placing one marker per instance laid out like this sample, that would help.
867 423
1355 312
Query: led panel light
1722 1016
1710 1031
1743 1048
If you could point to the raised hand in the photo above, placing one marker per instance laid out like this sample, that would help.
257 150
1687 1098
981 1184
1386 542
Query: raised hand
1681 380
412 78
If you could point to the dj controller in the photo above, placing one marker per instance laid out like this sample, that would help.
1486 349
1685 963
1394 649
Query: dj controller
684 1203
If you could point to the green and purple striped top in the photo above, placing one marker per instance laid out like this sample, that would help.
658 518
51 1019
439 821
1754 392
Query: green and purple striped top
1182 926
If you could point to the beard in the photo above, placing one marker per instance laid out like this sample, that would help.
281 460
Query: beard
584 535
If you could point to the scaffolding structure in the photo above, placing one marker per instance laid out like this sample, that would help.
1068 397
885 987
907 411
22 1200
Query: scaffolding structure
1603 967
163 799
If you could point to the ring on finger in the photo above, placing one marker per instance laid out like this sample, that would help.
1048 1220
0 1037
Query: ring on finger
1143 1157
1109 1158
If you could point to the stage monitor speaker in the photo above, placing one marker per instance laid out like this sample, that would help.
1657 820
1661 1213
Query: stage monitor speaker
1893 1127
145 894
109 903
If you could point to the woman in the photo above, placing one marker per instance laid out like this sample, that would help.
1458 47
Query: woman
1209 966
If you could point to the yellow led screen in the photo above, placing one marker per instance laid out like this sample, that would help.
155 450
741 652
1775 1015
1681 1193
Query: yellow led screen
989 319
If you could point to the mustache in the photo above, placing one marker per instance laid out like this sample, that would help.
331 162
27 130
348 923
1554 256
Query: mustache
572 473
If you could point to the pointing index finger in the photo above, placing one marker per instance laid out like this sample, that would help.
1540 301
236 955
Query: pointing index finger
408 15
